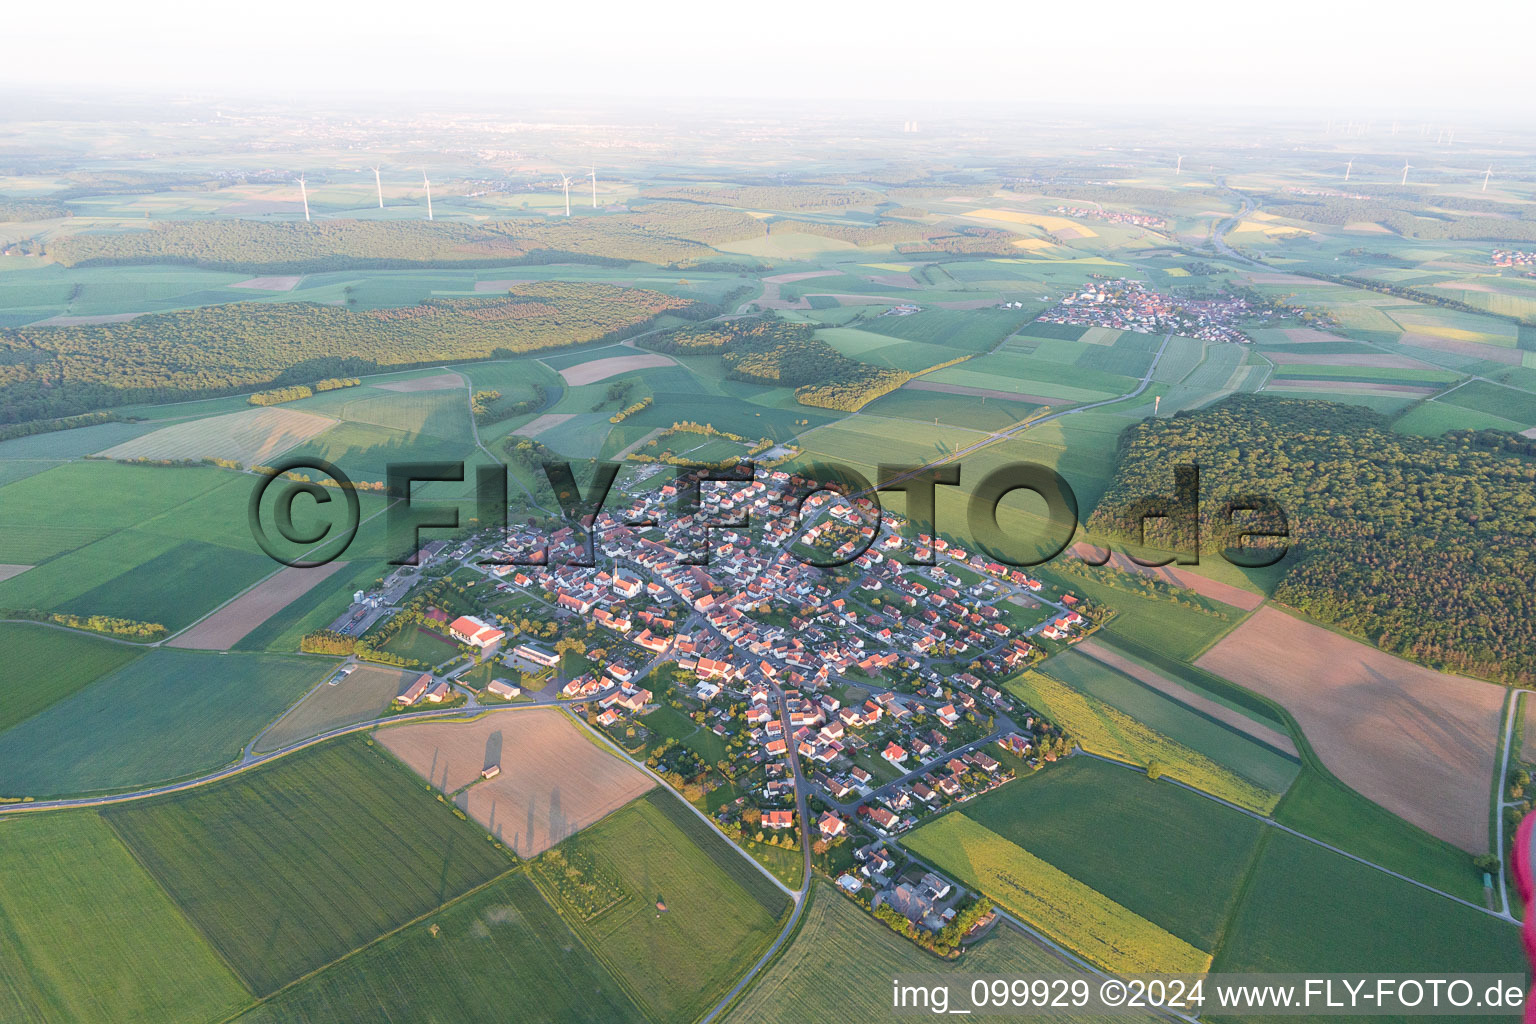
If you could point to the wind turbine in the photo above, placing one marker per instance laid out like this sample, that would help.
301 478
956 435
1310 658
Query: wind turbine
378 184
1178 168
304 192
1347 168
1406 165
565 183
1486 175
428 186
593 175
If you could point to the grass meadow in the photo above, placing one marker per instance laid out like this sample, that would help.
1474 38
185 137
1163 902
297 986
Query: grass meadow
292 866
497 948
1308 909
1095 820
675 963
1264 767
167 715
90 937
1074 914
47 665
840 964
1103 729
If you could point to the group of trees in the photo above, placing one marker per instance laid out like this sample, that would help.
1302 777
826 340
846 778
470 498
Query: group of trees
885 232
60 371
109 624
1423 546
294 392
770 197
767 350
629 410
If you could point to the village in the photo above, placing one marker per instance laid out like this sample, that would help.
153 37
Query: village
791 703
1129 305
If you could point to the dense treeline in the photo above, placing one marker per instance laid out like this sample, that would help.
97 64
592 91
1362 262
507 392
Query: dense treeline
767 350
970 241
1425 547
663 235
89 419
886 232
54 371
108 624
1511 224
12 210
770 197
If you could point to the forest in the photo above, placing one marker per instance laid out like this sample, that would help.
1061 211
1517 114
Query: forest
671 234
1424 547
767 350
1491 221
64 370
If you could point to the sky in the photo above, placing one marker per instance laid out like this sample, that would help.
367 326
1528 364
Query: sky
1302 55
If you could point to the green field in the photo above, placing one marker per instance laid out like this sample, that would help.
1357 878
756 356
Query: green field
498 948
969 330
170 714
1496 400
1096 820
840 965
1431 419
289 867
1176 630
1308 909
678 962
1321 807
47 665
1060 905
1259 764
1110 732
89 936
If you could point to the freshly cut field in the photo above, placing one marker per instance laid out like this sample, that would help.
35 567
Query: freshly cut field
1308 909
229 625
548 421
1103 729
167 715
676 962
289 867
90 937
434 382
1227 716
46 665
364 694
253 438
1080 918
1418 742
275 283
839 966
602 369
529 806
500 948
1094 820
